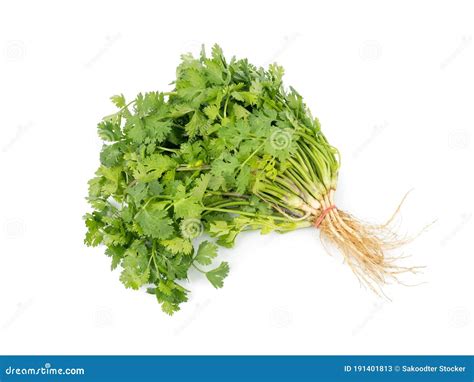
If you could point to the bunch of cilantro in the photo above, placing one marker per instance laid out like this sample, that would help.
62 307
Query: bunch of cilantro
229 149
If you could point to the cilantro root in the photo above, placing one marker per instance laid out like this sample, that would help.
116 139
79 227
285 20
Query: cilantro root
228 150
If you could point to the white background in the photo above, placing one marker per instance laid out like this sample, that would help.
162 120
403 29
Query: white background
393 86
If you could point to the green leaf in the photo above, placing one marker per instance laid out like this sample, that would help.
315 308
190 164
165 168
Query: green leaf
216 276
116 253
195 79
179 110
136 271
219 228
240 112
109 131
178 245
157 129
118 100
94 226
225 166
197 125
153 167
110 178
214 72
155 222
249 98
187 208
201 186
111 155
136 129
206 253
169 294
237 96
137 192
243 179
212 111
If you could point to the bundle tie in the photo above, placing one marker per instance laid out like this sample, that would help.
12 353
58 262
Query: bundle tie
323 215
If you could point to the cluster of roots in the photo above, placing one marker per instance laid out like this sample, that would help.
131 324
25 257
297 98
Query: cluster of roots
364 246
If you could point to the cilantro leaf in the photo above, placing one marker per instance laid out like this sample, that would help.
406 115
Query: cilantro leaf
153 167
207 251
136 271
216 276
109 131
155 222
178 245
118 100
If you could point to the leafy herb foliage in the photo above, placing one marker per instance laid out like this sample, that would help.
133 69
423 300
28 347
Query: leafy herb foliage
227 150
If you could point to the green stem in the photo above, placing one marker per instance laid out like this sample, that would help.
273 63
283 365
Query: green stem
167 149
251 155
314 159
306 163
153 253
278 204
156 197
225 105
277 191
234 194
302 172
199 269
244 213
226 203
205 167
304 186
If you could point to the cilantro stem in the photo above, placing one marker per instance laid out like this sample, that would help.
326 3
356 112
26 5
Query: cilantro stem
225 104
226 203
234 194
297 180
125 107
205 167
167 149
155 197
199 269
251 155
300 172
153 252
245 213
